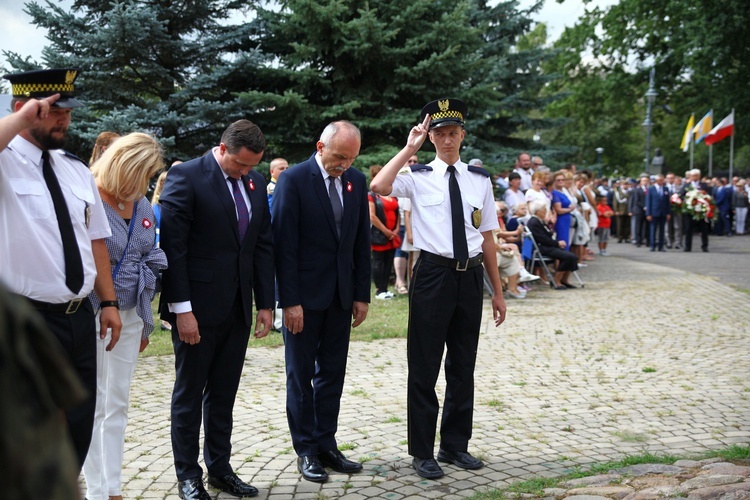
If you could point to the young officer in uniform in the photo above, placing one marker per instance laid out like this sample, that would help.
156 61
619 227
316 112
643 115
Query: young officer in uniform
53 227
453 215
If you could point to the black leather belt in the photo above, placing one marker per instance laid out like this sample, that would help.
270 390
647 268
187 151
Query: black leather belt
452 263
64 307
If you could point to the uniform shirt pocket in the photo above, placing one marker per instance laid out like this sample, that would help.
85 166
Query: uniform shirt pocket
78 205
432 207
474 201
32 197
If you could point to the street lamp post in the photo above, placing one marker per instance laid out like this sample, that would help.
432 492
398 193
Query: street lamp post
599 152
650 96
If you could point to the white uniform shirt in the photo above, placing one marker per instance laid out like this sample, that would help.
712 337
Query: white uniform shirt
432 226
31 251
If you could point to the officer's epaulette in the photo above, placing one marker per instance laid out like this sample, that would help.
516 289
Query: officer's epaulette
71 155
418 167
478 170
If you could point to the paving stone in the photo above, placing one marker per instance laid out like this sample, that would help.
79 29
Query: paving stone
605 491
597 480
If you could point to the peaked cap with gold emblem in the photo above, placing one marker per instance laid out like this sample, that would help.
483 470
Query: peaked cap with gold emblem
445 112
43 83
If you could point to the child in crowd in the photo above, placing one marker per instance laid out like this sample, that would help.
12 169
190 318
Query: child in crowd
605 214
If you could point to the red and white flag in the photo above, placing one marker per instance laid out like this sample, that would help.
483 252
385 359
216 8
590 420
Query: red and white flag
724 129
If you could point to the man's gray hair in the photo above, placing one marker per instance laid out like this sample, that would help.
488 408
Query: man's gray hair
333 128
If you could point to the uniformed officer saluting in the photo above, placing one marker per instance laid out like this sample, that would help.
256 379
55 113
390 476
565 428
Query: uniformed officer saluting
453 215
53 230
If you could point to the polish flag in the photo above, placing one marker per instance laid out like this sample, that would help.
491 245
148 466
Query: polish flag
724 129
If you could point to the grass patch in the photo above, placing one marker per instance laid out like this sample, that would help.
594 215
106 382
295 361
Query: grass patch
734 452
648 369
536 486
386 319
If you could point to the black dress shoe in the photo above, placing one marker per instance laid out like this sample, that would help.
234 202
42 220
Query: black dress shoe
459 459
233 485
427 468
311 469
568 285
192 489
559 287
338 462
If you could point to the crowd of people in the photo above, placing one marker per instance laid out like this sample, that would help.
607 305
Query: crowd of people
583 213
228 249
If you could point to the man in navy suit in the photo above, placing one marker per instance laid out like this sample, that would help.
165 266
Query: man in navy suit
657 210
216 232
321 231
723 195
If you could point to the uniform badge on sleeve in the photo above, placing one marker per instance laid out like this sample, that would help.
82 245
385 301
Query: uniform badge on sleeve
251 185
476 218
87 215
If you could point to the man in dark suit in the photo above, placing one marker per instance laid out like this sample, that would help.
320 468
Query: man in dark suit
688 223
321 230
723 195
636 210
216 232
657 209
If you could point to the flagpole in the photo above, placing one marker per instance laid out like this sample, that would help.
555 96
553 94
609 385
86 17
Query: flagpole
731 153
710 160
691 151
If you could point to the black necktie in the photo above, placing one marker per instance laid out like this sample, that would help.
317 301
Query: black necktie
338 210
460 247
71 252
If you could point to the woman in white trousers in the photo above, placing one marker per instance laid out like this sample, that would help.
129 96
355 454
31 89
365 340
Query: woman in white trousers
122 175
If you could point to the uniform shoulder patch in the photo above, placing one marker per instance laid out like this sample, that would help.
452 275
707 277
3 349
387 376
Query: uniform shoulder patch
478 170
419 167
74 157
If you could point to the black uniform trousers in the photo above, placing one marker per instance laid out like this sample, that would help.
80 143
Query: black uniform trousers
208 375
315 371
445 310
688 225
78 336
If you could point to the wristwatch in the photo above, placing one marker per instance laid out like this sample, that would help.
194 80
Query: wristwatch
109 303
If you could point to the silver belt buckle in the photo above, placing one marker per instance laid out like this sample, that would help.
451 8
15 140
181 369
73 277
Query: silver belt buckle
73 306
465 266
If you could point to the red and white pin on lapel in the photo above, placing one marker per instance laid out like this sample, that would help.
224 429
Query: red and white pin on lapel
251 185
147 222
349 187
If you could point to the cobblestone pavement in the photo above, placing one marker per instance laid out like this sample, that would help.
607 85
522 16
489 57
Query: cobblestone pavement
645 357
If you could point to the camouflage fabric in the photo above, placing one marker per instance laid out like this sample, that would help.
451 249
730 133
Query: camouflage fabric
36 384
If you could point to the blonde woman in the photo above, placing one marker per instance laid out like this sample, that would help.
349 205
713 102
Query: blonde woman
122 175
